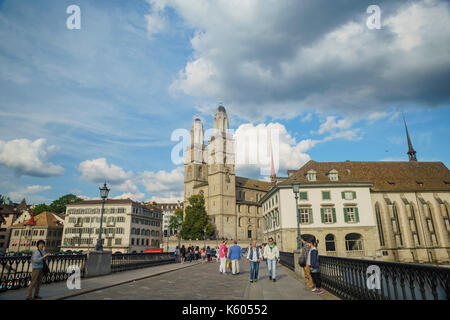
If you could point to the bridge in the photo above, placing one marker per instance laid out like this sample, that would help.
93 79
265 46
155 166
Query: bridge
155 276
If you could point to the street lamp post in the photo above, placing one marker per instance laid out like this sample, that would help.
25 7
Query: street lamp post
296 188
204 238
104 194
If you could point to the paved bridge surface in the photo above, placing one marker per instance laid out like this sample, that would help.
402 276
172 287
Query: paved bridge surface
194 281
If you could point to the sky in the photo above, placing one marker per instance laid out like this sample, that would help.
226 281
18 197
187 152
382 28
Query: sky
100 103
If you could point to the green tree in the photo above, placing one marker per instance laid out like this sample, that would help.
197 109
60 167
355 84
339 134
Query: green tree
41 208
196 219
176 220
59 206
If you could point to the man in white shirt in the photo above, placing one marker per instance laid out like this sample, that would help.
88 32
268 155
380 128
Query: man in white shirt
272 254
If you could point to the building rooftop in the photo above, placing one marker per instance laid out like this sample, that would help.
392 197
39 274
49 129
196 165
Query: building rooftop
405 176
44 219
252 184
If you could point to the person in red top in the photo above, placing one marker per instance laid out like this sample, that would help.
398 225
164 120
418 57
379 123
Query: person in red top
223 257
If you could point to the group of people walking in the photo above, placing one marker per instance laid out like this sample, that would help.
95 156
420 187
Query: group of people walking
255 254
192 253
308 260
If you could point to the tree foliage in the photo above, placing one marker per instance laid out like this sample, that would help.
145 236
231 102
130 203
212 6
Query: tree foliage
196 219
176 220
41 208
59 205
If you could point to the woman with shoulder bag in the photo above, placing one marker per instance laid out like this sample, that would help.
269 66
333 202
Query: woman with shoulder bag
40 268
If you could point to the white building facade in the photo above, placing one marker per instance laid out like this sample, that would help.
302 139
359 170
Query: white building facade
128 226
393 211
339 215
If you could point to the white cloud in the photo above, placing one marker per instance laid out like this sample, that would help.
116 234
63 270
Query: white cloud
28 157
23 192
331 125
160 184
163 182
273 58
253 154
98 171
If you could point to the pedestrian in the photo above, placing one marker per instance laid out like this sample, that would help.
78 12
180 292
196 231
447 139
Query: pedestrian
208 253
203 255
254 255
183 254
196 253
38 261
272 254
175 254
217 254
302 262
313 262
190 253
223 257
235 256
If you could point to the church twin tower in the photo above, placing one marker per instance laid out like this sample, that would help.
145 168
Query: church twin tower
209 170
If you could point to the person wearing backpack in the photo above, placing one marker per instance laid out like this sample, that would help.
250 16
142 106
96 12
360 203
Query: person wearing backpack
302 262
38 264
313 262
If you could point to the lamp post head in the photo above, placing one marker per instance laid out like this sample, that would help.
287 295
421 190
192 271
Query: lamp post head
104 191
295 185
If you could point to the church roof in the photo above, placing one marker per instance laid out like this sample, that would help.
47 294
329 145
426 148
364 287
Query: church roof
405 176
252 184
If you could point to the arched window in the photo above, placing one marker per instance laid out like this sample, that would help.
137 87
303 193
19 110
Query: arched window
200 172
330 244
354 242
413 225
379 224
133 231
430 223
396 225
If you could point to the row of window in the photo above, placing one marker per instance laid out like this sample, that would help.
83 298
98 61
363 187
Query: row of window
311 175
146 222
241 196
96 211
144 242
271 203
412 223
51 233
145 232
327 214
145 212
80 220
326 195
51 243
91 230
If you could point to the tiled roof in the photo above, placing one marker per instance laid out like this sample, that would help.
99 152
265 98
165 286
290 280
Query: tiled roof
252 184
407 176
45 218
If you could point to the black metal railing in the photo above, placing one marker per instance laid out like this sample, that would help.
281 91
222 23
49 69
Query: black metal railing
15 272
287 259
128 261
347 279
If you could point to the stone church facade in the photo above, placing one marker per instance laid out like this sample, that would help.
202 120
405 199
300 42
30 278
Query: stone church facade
230 201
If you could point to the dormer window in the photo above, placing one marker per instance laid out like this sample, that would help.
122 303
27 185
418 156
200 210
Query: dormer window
333 175
311 175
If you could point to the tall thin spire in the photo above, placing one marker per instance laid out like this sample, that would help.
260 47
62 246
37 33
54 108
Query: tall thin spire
411 152
273 175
